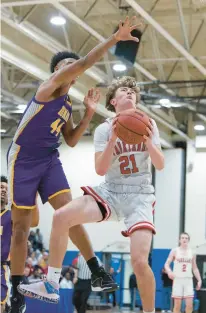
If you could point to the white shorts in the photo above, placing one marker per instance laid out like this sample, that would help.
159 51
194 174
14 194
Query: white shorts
135 209
183 288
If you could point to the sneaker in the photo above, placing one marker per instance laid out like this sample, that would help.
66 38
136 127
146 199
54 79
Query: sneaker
17 305
102 281
44 290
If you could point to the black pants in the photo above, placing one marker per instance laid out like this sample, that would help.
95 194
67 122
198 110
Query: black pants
113 293
82 290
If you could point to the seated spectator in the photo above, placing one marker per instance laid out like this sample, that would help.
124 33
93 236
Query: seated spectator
43 262
34 259
29 262
26 275
66 282
37 274
29 248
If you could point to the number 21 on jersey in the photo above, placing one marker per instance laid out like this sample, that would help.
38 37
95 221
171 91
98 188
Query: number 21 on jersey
128 165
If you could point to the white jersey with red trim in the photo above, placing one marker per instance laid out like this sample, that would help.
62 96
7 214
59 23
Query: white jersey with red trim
183 263
131 164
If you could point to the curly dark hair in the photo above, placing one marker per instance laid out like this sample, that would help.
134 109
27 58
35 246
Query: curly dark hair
4 179
125 81
59 56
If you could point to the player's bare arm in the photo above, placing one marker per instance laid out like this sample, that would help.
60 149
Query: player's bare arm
68 73
155 151
73 134
169 260
196 273
103 159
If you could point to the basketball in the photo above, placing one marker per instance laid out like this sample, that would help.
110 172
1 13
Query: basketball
131 126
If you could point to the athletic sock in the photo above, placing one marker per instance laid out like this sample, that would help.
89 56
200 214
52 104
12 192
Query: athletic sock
149 312
54 274
93 265
16 280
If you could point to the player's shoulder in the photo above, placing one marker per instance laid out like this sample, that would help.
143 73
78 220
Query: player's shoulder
105 126
174 251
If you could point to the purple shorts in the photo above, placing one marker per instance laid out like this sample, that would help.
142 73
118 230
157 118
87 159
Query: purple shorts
4 283
29 174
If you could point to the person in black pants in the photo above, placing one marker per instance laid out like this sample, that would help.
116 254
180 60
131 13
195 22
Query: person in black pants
82 290
82 284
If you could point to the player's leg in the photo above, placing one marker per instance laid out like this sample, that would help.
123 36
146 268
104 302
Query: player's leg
189 305
55 189
23 181
140 248
79 211
188 294
77 234
137 209
177 305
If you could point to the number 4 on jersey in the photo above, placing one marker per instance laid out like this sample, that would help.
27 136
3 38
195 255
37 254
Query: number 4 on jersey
128 165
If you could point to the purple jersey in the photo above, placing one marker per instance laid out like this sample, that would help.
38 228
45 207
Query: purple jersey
6 232
41 124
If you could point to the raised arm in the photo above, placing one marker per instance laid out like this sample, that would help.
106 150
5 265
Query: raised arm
196 273
69 72
169 260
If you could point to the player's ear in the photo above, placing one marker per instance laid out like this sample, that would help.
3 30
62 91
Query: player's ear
113 102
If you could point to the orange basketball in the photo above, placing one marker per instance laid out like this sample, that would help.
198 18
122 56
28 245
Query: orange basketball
131 126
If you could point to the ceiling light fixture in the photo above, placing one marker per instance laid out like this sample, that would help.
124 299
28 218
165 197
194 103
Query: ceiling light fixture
119 67
165 103
2 131
58 20
199 127
22 107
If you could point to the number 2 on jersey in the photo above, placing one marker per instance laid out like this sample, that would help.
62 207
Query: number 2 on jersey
128 165
184 267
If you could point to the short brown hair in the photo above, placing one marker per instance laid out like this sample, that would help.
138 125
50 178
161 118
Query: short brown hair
125 81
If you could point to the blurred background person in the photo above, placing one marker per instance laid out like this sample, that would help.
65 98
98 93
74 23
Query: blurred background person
166 292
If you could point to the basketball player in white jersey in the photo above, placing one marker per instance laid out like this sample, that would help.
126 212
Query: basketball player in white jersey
127 193
184 266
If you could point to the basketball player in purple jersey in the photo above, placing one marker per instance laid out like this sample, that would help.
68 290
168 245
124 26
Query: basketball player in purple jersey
127 193
5 231
33 160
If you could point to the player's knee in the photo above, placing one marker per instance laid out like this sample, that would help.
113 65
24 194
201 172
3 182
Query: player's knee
177 306
19 234
59 221
139 265
189 307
